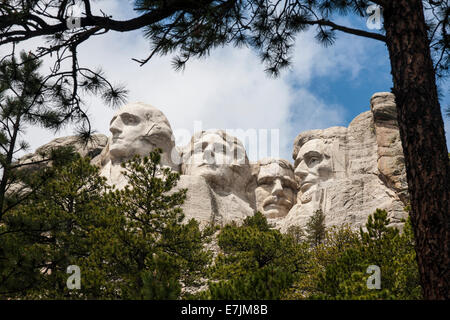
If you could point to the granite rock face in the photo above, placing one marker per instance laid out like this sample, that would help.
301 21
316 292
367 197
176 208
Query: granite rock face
214 166
92 149
391 162
276 189
33 162
137 129
216 171
350 172
347 172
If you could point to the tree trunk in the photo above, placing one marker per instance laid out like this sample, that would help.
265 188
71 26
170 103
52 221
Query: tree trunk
423 140
6 166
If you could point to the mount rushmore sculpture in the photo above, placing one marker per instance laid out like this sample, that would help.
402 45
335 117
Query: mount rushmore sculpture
347 172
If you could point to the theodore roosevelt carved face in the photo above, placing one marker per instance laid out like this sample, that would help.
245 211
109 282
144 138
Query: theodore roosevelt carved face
276 187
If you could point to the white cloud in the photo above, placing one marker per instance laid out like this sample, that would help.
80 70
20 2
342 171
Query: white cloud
228 90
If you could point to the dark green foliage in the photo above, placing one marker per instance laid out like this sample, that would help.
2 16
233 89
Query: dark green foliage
266 283
196 27
129 244
256 262
386 247
297 233
191 28
336 268
159 284
134 244
29 98
154 246
315 228
51 230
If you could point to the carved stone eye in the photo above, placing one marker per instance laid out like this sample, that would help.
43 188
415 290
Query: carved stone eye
129 120
313 161
265 182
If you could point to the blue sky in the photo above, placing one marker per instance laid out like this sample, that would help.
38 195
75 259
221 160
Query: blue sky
350 91
229 90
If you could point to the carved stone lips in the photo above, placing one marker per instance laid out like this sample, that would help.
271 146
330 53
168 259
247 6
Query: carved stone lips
205 164
275 202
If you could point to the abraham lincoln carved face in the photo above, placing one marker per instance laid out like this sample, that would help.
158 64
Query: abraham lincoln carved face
312 166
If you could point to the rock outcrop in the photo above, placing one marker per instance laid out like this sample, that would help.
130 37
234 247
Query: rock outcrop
136 129
39 159
350 172
91 149
276 187
216 171
391 162
219 182
347 172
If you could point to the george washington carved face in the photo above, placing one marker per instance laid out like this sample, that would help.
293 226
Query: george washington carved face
137 129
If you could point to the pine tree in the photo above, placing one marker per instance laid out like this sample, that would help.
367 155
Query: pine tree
152 253
380 245
315 228
51 230
336 241
129 244
29 98
297 233
256 262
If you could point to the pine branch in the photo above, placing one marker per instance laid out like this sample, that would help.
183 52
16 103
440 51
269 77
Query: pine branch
357 32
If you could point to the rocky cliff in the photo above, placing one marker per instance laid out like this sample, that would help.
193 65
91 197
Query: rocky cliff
347 172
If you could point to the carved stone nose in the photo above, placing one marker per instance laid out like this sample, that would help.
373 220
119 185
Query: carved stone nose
277 188
115 131
115 127
209 156
301 171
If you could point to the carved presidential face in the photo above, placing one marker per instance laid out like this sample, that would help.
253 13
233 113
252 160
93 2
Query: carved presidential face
210 155
312 166
276 190
138 129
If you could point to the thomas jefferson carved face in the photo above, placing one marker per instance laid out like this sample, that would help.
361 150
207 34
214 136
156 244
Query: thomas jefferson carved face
214 156
312 166
276 190
138 129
